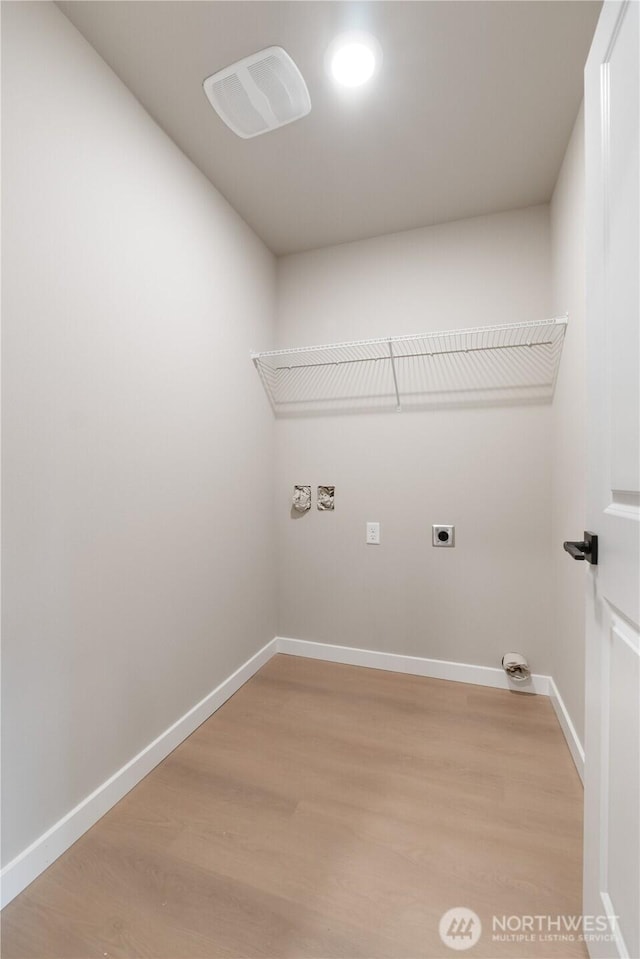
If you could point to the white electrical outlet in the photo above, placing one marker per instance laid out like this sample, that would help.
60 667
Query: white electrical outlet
373 534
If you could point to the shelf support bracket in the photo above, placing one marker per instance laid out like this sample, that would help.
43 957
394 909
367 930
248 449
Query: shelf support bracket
267 387
395 377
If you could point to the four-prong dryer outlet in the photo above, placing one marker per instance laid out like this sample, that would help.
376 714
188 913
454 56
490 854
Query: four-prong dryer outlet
443 536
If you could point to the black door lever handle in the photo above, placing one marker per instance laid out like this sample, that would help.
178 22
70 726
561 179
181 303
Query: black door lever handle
586 549
577 550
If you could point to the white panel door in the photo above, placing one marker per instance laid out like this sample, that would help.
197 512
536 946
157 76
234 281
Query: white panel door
612 742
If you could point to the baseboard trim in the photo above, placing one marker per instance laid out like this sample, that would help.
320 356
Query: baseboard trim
573 740
442 669
415 665
33 860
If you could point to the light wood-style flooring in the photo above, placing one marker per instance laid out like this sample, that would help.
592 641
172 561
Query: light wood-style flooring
325 811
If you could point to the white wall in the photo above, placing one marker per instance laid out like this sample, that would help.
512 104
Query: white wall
569 428
486 470
138 548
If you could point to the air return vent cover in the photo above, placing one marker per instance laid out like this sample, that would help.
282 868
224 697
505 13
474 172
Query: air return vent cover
260 93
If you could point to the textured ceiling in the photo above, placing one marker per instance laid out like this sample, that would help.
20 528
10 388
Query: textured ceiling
470 113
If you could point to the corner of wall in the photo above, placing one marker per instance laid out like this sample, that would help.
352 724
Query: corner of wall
569 427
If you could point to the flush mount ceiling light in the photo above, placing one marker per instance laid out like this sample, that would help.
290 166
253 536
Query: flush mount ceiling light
260 93
353 58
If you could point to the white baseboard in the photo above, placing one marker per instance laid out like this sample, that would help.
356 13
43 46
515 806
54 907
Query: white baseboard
33 860
441 669
573 740
415 665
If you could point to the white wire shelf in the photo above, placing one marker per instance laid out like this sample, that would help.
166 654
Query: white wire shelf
511 362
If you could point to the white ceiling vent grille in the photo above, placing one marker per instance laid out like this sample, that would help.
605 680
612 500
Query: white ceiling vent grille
260 93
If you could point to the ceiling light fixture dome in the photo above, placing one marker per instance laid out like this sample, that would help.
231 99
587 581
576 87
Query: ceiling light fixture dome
353 58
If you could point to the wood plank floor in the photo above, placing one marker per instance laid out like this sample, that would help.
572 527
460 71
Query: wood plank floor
325 811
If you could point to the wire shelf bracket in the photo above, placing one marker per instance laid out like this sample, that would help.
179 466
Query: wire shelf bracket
509 361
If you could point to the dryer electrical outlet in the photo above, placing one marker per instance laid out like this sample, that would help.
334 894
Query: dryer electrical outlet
443 536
